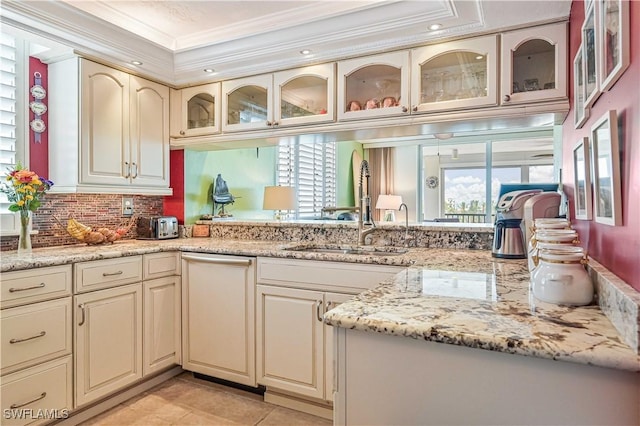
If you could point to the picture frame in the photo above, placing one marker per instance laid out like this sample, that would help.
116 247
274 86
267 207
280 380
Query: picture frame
614 36
605 161
581 114
582 180
591 55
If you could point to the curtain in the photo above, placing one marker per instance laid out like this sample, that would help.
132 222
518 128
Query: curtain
381 181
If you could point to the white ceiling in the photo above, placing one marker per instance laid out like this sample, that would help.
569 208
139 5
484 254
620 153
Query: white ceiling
177 40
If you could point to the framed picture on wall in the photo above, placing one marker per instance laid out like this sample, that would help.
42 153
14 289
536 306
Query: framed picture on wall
591 55
606 170
614 36
582 180
580 112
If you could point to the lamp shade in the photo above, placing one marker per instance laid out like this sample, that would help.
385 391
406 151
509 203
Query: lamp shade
279 198
388 202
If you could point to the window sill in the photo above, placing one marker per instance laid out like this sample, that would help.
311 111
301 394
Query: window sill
15 233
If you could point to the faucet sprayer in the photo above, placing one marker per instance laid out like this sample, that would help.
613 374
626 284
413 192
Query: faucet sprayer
365 204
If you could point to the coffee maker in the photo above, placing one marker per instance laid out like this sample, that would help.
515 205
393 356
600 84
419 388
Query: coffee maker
508 238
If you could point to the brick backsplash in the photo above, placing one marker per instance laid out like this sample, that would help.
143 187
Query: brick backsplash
95 210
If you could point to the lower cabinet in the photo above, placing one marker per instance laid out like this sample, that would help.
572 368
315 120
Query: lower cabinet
294 346
162 308
108 341
218 316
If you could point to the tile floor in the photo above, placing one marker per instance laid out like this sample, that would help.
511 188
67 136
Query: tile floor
185 400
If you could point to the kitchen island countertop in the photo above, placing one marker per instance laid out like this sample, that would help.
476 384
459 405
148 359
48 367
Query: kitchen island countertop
460 297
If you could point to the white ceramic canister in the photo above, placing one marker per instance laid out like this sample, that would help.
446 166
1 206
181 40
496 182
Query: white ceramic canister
551 236
550 223
533 259
561 278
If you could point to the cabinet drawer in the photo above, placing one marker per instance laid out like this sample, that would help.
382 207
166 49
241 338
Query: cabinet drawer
39 393
34 285
107 273
318 275
35 333
158 265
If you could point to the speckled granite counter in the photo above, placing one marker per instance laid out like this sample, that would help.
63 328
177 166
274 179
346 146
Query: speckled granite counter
477 301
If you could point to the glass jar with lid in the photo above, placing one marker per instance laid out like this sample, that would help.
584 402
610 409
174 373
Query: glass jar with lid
561 278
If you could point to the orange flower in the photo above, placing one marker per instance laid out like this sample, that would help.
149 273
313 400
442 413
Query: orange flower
24 176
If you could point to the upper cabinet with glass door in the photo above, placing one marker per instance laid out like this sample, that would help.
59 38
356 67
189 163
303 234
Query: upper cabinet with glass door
198 109
455 75
304 95
247 103
374 86
534 64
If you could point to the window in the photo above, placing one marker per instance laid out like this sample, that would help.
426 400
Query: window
12 64
310 167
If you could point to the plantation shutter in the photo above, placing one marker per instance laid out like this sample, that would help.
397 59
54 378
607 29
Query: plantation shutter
311 169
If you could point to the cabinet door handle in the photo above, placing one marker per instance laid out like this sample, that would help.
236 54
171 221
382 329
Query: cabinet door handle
41 334
13 289
111 274
415 109
128 170
405 109
318 315
329 306
218 261
182 133
269 123
82 317
136 170
22 404
275 123
507 98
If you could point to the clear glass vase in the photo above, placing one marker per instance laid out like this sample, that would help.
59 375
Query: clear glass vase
24 242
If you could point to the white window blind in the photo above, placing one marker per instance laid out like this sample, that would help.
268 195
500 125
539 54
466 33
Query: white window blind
10 121
311 169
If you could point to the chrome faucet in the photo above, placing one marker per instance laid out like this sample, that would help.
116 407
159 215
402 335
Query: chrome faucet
364 219
406 224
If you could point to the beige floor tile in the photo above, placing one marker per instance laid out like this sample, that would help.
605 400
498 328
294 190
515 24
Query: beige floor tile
160 407
200 418
281 416
225 405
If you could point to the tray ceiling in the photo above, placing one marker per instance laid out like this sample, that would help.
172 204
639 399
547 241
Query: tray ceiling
177 40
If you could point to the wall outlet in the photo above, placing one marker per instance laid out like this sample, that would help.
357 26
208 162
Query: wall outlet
127 206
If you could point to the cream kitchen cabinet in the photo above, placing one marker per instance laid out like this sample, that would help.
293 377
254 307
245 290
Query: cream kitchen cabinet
294 347
374 77
287 98
218 317
109 130
36 333
195 111
162 311
108 341
534 64
456 75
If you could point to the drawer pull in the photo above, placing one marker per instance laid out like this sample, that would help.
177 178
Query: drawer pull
111 274
41 334
81 306
38 398
13 289
318 315
219 261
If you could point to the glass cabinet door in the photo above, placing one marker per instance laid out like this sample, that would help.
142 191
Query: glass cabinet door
455 75
247 103
534 64
304 95
373 86
199 110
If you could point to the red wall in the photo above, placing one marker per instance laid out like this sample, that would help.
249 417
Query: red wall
174 205
615 247
39 152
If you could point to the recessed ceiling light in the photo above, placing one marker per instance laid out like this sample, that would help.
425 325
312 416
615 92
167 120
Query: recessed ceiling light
209 70
305 51
434 27
136 62
479 57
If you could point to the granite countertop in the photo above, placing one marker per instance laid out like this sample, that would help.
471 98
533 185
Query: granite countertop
461 297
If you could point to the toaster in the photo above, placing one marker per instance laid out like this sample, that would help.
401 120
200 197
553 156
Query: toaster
157 227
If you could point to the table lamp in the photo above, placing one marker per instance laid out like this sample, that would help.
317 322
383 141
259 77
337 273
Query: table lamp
389 203
279 198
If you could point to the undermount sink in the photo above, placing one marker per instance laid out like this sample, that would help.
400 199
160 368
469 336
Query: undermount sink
359 250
